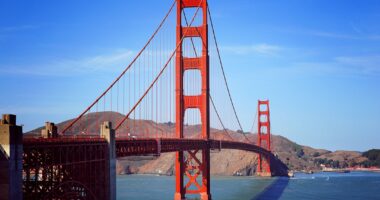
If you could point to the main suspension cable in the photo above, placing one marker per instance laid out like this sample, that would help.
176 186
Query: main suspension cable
159 74
220 120
254 122
125 70
212 102
221 66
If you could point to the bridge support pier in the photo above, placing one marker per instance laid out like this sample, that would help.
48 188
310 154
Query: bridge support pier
50 130
108 133
10 158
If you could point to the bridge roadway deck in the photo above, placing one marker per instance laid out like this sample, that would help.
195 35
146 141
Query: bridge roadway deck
146 146
132 147
53 167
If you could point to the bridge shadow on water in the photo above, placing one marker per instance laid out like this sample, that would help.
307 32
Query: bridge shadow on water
274 190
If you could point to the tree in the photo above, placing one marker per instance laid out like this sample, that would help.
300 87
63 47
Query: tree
335 164
300 153
373 156
316 154
353 164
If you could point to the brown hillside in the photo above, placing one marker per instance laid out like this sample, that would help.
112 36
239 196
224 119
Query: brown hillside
225 162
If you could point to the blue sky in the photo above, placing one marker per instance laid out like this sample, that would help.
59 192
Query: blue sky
317 61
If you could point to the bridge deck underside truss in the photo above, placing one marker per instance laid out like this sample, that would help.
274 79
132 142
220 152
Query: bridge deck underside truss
65 168
155 147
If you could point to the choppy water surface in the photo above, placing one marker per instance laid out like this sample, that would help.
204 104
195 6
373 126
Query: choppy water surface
354 185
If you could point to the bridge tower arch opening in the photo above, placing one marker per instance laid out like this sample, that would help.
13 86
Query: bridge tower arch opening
190 165
263 138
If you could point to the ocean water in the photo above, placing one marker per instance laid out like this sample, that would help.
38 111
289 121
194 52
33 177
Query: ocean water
334 186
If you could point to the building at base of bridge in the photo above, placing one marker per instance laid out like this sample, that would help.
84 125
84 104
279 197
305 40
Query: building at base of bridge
10 158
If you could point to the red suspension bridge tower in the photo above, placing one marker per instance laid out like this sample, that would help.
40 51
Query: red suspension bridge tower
188 164
263 138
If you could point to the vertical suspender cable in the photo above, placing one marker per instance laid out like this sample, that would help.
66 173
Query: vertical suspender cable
221 65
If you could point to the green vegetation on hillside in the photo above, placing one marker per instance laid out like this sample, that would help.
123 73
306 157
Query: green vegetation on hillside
373 156
331 163
298 149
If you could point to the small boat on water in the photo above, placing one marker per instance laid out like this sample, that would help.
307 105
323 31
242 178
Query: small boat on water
291 174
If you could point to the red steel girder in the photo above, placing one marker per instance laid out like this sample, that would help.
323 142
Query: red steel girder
65 168
135 147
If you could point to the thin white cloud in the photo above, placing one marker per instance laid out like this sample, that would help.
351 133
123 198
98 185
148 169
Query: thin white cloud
322 69
356 28
339 66
24 110
329 34
17 28
107 62
374 37
363 64
68 67
342 66
259 49
333 35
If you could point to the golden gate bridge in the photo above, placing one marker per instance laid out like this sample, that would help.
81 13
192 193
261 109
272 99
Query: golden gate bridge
172 97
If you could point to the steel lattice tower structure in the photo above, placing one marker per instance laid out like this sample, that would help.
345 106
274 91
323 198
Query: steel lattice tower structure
188 163
263 135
